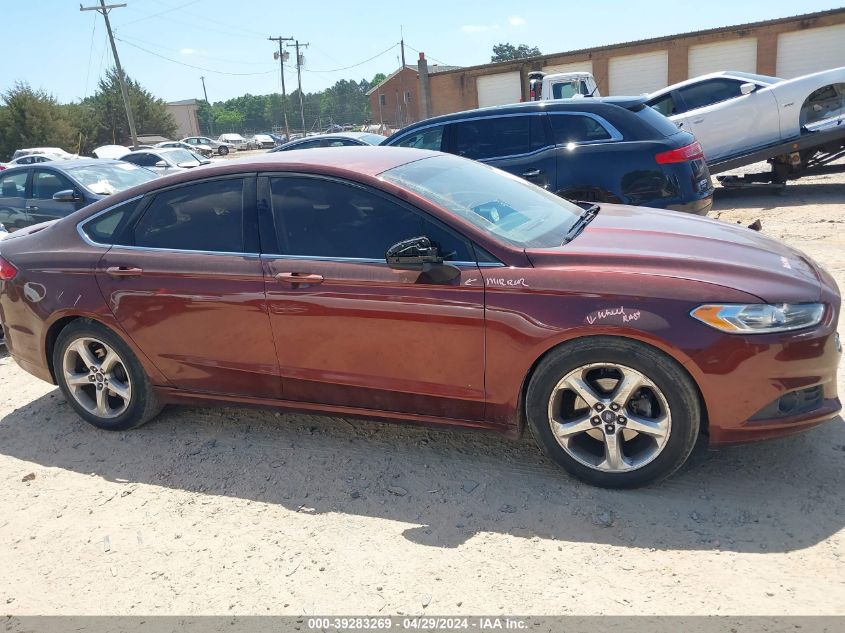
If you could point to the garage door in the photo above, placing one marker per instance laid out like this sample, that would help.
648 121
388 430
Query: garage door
731 55
576 67
636 74
498 89
810 50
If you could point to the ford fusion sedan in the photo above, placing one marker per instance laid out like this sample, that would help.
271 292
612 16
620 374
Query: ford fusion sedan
403 284
37 193
613 149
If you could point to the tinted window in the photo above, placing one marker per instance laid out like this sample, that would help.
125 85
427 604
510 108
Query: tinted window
13 185
306 145
665 105
492 137
207 216
429 138
144 159
320 218
574 128
709 92
45 184
656 121
109 225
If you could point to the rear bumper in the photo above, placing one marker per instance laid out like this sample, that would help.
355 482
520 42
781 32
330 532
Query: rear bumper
697 207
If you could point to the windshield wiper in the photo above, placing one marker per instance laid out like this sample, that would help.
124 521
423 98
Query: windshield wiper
583 220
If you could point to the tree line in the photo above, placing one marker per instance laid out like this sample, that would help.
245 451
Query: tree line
34 118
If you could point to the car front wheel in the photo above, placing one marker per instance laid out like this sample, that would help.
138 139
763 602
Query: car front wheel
101 378
613 412
223 150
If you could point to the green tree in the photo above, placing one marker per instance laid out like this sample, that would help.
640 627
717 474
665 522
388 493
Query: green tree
33 118
505 52
377 79
150 114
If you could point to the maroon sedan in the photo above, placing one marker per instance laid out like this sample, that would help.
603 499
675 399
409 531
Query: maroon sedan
403 284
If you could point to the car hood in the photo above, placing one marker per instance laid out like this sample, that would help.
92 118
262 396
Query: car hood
680 246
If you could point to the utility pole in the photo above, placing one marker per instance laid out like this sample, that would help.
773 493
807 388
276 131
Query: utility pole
402 43
211 120
281 55
104 9
299 82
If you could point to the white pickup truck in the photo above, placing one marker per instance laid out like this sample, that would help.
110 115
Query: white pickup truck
561 85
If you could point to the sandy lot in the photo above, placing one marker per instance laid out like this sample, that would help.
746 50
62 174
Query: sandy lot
239 511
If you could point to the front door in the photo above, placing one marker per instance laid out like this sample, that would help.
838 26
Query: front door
13 199
349 330
40 206
185 281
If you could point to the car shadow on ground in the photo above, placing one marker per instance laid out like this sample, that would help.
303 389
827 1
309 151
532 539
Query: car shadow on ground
794 194
450 485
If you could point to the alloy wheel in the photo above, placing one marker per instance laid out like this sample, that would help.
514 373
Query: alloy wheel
96 377
609 417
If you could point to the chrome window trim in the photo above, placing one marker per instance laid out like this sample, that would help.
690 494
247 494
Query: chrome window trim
367 260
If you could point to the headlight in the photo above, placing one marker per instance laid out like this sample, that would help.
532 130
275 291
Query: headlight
759 318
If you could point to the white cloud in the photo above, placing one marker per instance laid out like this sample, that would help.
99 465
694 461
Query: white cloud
516 20
479 28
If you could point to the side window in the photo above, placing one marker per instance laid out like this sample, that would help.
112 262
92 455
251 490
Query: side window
307 144
13 185
207 216
429 138
574 128
105 228
665 105
324 218
45 184
709 92
492 137
146 159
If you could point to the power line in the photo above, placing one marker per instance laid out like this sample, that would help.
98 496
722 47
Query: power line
334 70
90 56
430 57
202 68
155 15
203 55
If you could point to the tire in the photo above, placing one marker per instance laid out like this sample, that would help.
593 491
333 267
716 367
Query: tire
656 423
223 150
111 392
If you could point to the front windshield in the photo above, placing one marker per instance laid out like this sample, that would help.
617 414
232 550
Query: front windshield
499 203
107 178
763 79
179 156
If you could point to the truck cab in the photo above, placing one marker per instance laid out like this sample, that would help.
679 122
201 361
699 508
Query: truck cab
545 86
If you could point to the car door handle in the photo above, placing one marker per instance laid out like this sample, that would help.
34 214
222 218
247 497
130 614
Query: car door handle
124 271
31 208
532 173
296 279
701 120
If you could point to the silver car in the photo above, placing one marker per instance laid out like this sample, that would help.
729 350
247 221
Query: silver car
165 160
220 147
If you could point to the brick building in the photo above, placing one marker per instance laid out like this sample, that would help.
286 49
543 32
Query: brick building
785 47
395 102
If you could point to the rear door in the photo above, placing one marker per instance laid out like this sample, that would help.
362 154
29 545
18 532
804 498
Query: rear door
184 279
13 184
519 144
349 330
40 205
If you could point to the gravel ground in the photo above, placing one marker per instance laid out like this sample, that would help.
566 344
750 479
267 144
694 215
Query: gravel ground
243 511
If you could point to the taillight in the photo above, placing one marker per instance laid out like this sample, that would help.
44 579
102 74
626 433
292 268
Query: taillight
687 152
7 271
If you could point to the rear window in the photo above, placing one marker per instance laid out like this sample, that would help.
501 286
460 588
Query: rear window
656 121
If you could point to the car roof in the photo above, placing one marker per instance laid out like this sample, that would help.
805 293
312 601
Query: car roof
584 104
733 74
62 165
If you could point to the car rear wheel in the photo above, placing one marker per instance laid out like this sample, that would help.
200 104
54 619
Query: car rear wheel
101 378
223 150
613 412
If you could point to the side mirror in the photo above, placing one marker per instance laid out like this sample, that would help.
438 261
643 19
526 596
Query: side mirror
161 164
747 88
418 253
67 195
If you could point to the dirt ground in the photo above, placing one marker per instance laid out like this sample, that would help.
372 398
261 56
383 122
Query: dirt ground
240 511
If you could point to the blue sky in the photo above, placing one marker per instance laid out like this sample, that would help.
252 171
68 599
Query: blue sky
64 51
